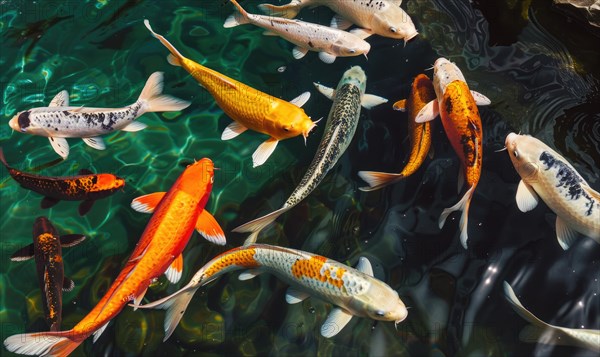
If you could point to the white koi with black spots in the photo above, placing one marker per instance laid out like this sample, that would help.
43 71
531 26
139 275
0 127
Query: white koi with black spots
347 98
354 291
547 175
59 121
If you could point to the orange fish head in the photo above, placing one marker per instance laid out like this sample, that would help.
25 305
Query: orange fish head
199 175
296 123
108 182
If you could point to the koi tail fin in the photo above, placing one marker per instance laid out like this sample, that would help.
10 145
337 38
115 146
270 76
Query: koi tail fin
377 180
530 333
462 205
155 101
240 17
175 57
288 11
256 226
175 305
57 344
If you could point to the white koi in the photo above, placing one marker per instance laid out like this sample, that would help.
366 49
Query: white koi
542 332
380 17
355 292
547 175
329 42
59 121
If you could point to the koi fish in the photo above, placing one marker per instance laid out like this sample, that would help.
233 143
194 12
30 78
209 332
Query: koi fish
547 175
59 121
46 249
248 107
176 214
355 292
422 92
329 42
339 131
457 106
86 186
380 17
540 331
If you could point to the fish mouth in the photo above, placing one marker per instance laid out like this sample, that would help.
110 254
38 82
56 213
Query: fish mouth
410 37
310 128
510 138
14 125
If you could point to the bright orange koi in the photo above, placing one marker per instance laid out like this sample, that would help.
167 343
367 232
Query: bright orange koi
457 106
176 214
422 92
248 107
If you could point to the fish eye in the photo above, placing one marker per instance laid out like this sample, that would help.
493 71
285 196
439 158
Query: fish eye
379 313
352 50
393 29
516 154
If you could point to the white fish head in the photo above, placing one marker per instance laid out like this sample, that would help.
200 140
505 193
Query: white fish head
524 152
380 302
351 48
394 23
444 73
21 122
356 76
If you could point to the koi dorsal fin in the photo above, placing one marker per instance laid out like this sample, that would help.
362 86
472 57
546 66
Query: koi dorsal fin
60 100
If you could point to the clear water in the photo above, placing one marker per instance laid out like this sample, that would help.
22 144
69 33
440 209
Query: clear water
544 82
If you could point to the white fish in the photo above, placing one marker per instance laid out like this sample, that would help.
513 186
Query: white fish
59 120
380 17
355 292
347 98
547 175
329 42
542 332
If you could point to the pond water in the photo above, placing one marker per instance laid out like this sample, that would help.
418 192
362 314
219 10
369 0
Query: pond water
541 74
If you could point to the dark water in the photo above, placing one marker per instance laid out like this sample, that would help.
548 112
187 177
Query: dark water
543 80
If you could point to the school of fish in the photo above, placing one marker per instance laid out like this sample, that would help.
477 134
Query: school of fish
181 210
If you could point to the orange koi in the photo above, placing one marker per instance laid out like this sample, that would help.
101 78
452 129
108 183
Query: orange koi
457 107
422 92
176 214
248 107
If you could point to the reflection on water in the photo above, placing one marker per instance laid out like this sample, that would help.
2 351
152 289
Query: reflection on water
101 53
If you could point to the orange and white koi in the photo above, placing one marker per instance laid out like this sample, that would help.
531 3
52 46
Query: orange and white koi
422 92
541 332
248 107
355 292
547 175
380 17
457 107
329 42
176 214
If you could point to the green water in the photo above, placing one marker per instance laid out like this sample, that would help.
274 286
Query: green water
545 82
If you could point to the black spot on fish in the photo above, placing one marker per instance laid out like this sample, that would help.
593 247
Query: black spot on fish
568 179
449 105
65 112
24 120
311 44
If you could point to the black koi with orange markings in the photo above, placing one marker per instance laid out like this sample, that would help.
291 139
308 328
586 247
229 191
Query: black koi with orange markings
87 186
47 251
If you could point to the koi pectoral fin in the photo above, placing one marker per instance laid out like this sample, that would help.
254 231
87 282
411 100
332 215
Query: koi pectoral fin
294 296
135 126
364 266
210 229
48 202
377 180
527 199
400 105
264 151
428 112
147 203
68 284
85 207
300 100
175 270
96 143
71 240
564 233
480 99
326 91
327 57
335 322
369 101
60 100
361 33
232 130
299 52
338 22
24 253
60 146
